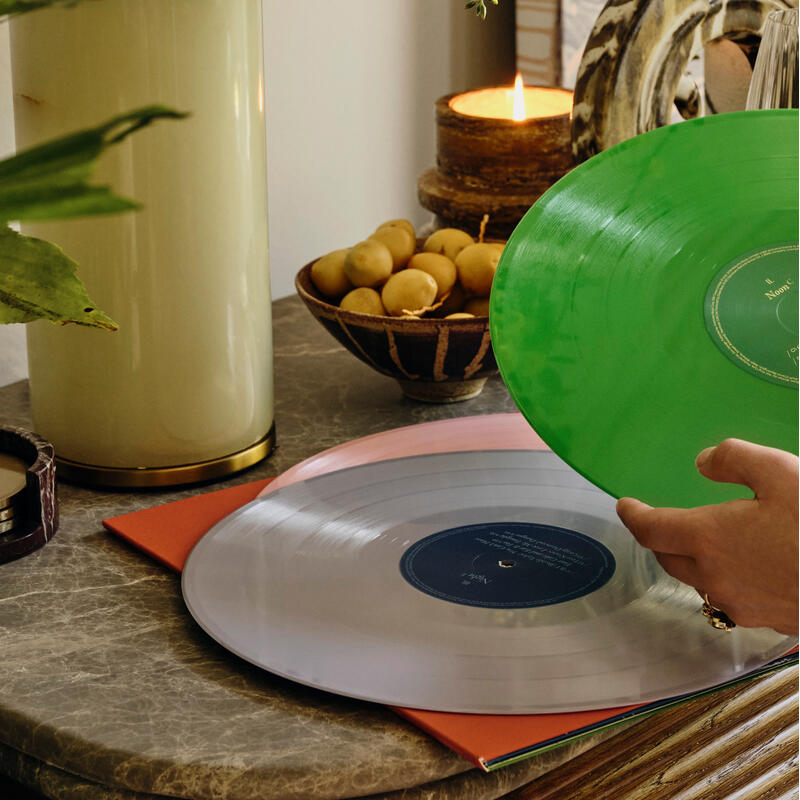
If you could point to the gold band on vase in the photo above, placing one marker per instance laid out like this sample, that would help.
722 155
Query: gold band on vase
154 477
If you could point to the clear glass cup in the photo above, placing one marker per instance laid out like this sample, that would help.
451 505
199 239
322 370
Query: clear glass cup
774 82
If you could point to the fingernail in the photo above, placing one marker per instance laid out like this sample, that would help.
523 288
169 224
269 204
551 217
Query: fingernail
703 457
627 504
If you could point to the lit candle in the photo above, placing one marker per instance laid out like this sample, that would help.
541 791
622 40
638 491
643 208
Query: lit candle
497 151
518 104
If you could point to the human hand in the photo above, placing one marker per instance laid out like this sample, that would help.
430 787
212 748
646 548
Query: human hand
744 553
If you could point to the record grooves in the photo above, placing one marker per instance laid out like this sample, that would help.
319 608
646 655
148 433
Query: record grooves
645 308
307 582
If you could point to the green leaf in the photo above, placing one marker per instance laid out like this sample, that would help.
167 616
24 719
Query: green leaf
50 181
479 6
9 7
38 281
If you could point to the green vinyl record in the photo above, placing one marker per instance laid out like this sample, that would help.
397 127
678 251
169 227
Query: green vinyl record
646 306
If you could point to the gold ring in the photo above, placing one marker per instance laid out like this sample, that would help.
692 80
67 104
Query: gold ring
716 617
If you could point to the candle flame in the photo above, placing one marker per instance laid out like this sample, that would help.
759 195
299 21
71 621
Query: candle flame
499 102
518 113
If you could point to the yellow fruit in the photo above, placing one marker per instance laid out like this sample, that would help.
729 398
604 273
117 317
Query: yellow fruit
363 300
327 274
448 242
399 223
478 306
369 263
476 265
400 242
460 315
409 290
439 267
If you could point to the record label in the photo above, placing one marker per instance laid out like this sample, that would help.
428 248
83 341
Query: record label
507 565
751 313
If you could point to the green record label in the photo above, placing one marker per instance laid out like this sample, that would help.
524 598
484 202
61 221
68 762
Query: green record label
751 311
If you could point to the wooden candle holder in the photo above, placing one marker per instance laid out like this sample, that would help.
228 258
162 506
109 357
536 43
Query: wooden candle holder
492 166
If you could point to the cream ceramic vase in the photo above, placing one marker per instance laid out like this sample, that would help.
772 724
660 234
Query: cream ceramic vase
183 391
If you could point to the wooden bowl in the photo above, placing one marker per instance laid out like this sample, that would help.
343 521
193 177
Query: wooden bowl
434 360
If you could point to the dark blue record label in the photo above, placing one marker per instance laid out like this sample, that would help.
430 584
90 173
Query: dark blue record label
507 565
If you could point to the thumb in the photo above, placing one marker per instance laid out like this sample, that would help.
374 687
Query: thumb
736 461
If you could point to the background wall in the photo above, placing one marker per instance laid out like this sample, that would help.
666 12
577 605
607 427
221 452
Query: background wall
350 112
350 89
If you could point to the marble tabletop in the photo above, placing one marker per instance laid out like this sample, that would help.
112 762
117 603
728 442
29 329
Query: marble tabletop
108 689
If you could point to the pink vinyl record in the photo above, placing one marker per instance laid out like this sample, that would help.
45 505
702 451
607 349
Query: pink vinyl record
482 432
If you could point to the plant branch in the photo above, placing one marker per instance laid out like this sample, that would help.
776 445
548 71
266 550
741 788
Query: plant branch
50 181
9 8
479 6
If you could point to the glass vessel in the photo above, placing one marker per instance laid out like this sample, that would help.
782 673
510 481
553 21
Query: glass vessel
183 391
774 81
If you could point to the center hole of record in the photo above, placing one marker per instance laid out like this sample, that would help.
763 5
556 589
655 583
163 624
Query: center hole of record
507 563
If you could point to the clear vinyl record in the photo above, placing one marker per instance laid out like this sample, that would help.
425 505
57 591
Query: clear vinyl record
497 582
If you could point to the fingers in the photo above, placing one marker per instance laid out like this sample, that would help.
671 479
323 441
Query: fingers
664 530
683 568
655 528
764 469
